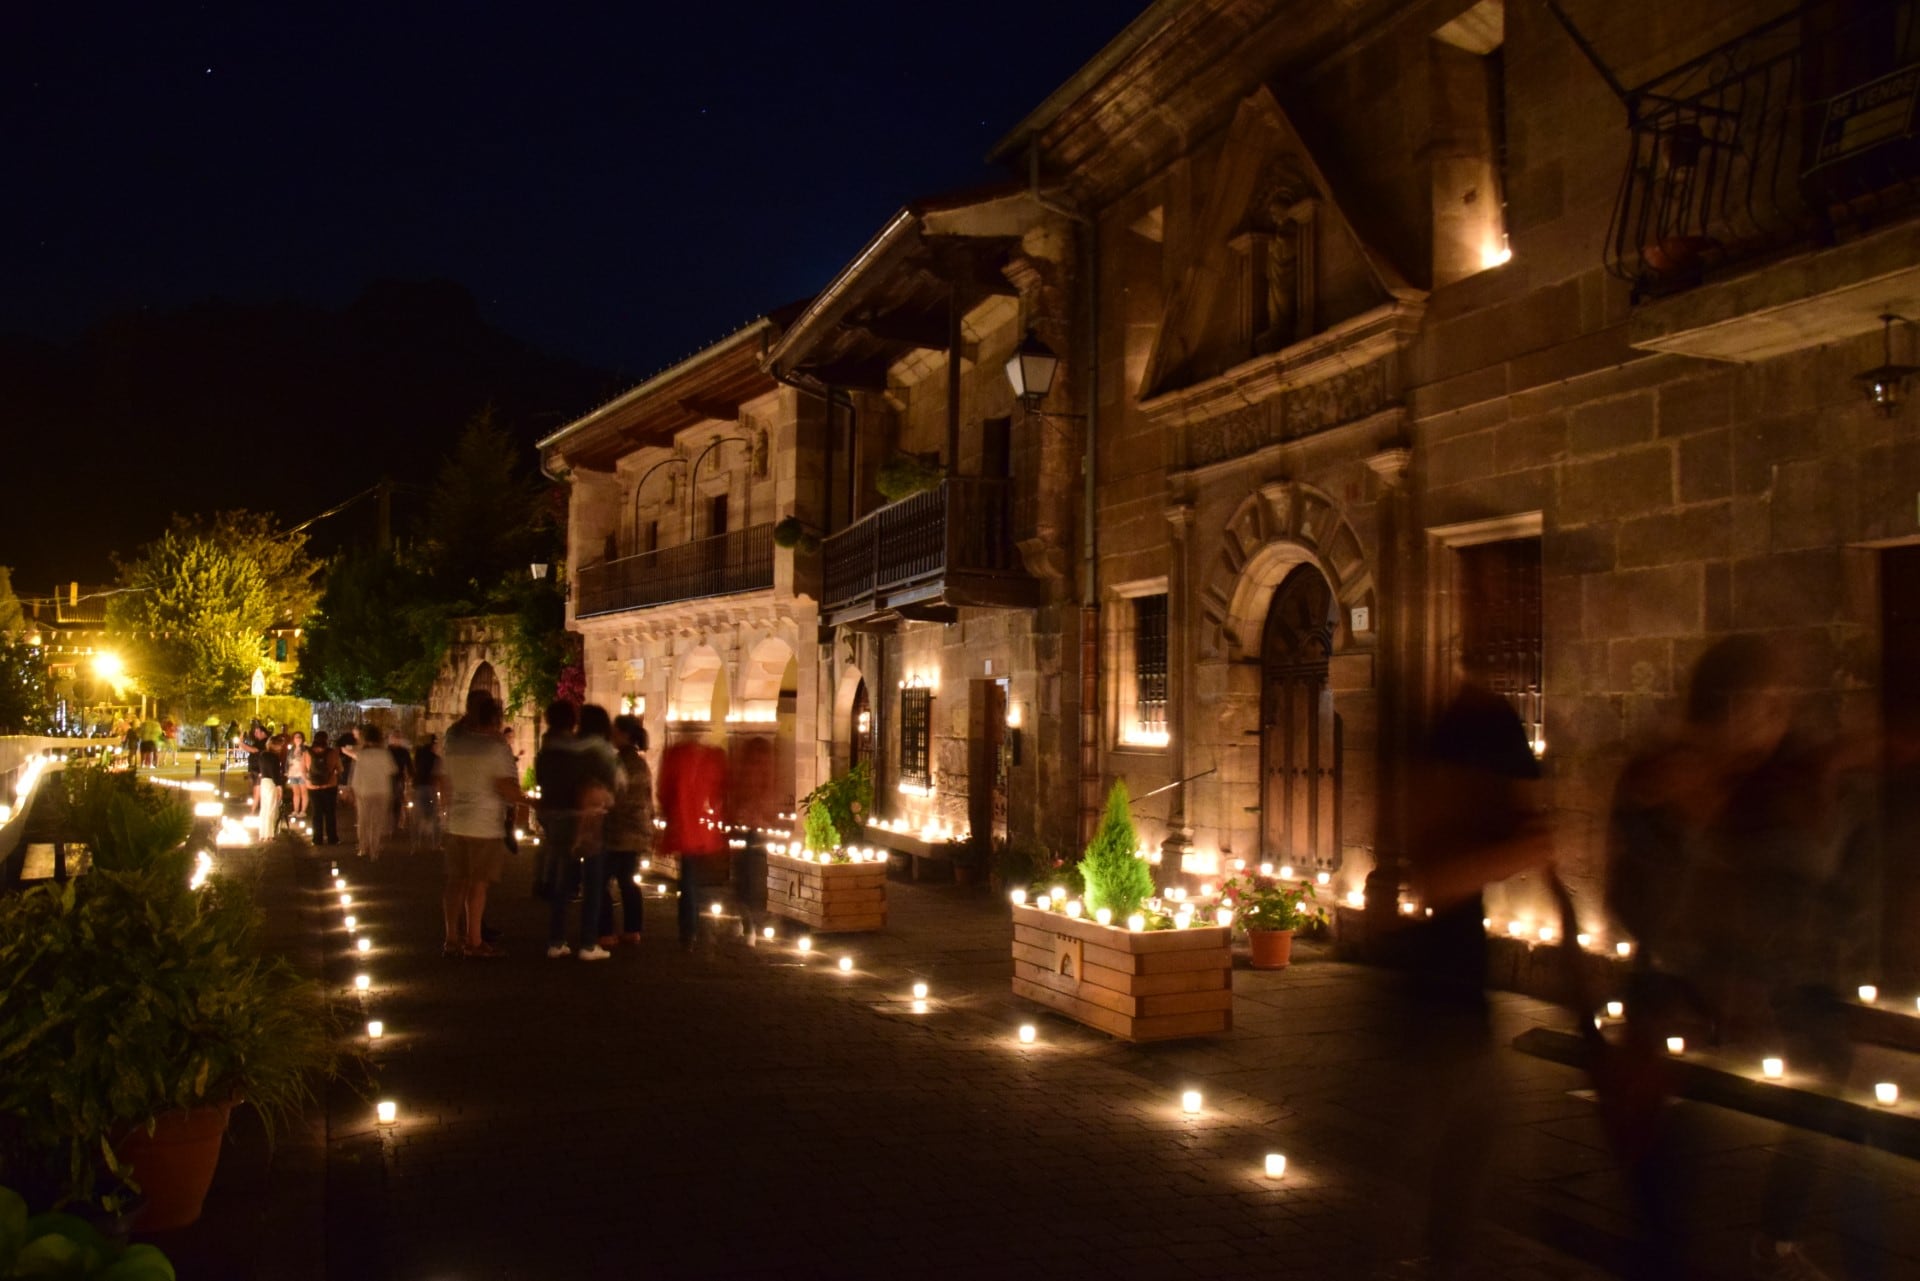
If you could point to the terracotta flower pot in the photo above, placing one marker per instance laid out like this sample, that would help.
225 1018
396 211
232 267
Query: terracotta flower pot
174 1164
1272 949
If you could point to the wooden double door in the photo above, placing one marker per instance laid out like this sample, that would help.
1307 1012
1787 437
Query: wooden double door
1300 746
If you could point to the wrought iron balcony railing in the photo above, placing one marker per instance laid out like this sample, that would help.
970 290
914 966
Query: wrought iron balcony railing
1796 133
719 566
919 548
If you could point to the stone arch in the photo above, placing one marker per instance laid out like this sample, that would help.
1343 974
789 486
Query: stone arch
700 691
1278 528
764 679
485 679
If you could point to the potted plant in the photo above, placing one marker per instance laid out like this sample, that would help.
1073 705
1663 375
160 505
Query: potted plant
121 1061
830 884
1117 958
1270 911
967 855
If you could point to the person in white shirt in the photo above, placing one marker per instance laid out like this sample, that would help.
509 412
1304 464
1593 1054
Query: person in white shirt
479 788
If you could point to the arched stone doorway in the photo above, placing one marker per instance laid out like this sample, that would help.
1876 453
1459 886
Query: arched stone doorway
486 680
1300 746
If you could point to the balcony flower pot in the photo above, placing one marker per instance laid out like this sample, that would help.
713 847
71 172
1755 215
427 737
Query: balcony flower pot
1272 949
830 893
172 1162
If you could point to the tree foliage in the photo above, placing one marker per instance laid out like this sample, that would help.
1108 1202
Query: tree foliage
194 616
23 688
485 517
1116 876
378 631
286 568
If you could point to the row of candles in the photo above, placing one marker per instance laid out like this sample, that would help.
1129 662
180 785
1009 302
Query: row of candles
386 1111
1772 1067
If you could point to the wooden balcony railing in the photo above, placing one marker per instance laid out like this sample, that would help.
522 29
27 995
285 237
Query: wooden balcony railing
720 566
915 548
1796 133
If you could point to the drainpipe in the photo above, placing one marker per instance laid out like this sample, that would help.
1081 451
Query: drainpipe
1090 799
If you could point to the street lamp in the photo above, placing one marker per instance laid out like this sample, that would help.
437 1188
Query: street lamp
109 667
1031 369
1885 385
539 569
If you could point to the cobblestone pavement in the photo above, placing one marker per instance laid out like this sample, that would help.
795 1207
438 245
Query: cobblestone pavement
746 1111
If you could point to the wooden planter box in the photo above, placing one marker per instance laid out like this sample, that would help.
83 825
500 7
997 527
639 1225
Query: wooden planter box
828 898
1155 986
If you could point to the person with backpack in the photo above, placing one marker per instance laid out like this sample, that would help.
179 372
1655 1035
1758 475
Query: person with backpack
323 789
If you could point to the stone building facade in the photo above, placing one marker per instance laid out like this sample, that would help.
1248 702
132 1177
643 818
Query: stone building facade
1388 297
691 615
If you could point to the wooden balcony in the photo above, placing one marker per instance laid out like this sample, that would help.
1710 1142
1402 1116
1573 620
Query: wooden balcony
724 565
926 555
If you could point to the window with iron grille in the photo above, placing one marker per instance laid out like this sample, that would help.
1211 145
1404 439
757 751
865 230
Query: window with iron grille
1150 664
1501 638
916 737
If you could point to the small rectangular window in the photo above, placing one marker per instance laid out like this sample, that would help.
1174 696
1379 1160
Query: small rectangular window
279 649
1150 667
1502 639
916 738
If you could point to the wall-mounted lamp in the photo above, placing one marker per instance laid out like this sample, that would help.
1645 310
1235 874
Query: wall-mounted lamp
1886 383
1031 369
539 570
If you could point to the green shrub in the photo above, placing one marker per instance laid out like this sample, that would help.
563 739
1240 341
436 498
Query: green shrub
835 813
1116 877
60 1245
905 475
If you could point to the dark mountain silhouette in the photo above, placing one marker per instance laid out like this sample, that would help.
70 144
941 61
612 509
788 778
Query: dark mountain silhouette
284 407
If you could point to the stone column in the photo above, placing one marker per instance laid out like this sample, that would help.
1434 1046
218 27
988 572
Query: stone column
1393 668
1179 685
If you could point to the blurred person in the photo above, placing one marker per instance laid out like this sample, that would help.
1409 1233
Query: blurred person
373 787
297 773
577 773
251 747
629 833
323 789
480 784
1476 821
692 798
751 809
402 752
169 740
423 773
149 742
273 774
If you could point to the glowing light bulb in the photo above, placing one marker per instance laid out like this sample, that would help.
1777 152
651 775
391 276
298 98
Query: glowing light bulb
1190 1102
388 1111
1676 1045
1276 1165
375 1029
1027 1033
1886 1094
361 982
846 964
1773 1068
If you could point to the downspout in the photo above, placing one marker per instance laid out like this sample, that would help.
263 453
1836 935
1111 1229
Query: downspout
1089 471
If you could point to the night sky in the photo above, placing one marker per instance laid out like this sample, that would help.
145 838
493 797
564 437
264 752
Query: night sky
198 197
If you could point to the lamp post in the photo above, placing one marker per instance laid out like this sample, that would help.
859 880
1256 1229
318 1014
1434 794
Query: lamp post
539 570
1031 369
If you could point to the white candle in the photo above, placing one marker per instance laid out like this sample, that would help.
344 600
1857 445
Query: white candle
389 1111
1074 908
1583 939
1190 1102
1623 948
806 943
1616 1009
767 932
1548 933
646 864
1027 1033
1676 1045
1286 872
919 991
1019 898
339 882
1886 1094
1869 993
1223 916
1773 1068
346 900
1206 889
375 1029
1324 878
715 909
1266 869
846 964
1136 922
663 887
362 982
365 945
1104 916
1276 1165
1356 898
353 923
1044 903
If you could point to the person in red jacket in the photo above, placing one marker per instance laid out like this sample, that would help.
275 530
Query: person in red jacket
693 791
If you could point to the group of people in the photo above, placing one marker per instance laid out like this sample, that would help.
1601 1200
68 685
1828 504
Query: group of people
1741 863
292 779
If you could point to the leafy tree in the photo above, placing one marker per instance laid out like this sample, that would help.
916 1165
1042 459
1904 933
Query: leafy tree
281 556
23 688
486 519
194 617
378 631
1116 877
